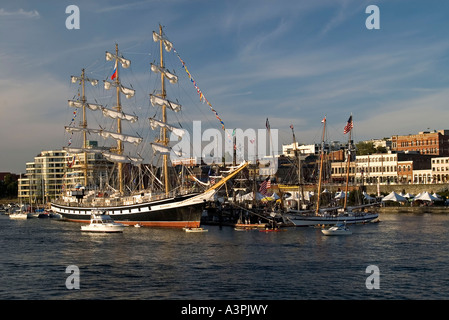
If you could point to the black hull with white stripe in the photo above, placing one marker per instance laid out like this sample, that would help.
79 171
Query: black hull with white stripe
177 212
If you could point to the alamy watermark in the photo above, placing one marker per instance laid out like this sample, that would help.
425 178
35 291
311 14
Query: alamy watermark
373 20
217 146
73 20
73 280
373 280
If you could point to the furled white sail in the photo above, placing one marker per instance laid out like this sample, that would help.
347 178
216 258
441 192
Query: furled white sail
92 81
116 114
127 91
164 150
158 101
156 123
124 62
78 104
76 129
168 45
82 150
121 158
170 76
121 137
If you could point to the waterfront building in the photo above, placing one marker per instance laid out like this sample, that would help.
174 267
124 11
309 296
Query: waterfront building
384 168
55 170
423 176
440 169
288 150
43 177
434 142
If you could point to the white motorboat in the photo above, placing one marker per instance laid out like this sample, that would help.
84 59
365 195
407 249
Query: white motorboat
195 230
18 216
337 230
102 222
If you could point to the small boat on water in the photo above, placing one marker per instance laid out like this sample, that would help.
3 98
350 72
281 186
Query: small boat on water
249 226
199 229
337 230
102 222
18 216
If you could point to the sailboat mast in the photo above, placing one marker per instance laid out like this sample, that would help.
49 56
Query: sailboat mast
298 158
164 116
347 171
83 98
321 168
119 122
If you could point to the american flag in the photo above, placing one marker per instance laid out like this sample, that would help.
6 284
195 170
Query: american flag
264 186
349 125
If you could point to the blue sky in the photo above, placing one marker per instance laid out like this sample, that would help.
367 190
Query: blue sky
292 61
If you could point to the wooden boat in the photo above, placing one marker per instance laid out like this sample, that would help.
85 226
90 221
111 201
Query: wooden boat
325 216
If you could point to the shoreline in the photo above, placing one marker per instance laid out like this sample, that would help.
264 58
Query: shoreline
422 209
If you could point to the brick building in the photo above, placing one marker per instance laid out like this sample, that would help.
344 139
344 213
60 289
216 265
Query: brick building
427 142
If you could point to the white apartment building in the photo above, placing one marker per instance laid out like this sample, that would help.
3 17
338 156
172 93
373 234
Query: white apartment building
393 168
53 170
440 169
375 168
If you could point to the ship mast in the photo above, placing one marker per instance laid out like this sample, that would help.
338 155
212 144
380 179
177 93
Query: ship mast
321 168
119 122
348 164
164 115
83 104
298 158
118 114
84 125
159 100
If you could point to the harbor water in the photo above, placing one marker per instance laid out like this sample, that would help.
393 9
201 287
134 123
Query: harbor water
410 251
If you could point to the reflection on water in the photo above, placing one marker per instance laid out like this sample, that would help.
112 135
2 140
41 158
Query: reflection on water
300 263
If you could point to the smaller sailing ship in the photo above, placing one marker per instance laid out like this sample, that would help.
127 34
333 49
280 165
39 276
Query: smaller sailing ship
332 216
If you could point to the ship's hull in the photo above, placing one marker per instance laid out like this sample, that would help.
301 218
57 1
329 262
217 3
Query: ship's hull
313 220
177 212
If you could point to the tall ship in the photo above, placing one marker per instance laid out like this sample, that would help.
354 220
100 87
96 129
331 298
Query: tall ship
147 206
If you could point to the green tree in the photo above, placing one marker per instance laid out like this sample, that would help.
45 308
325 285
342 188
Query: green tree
8 187
365 148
